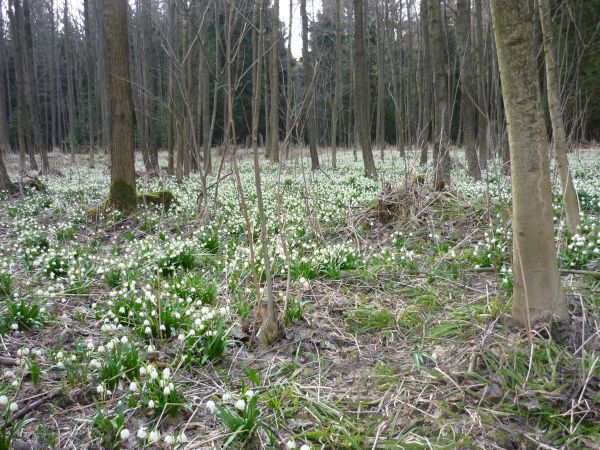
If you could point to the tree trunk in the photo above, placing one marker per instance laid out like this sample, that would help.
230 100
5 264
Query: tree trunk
558 128
4 142
441 155
425 132
269 327
289 85
89 71
380 121
5 183
148 84
70 87
481 92
14 14
467 86
204 80
122 169
274 149
309 90
338 84
537 291
362 91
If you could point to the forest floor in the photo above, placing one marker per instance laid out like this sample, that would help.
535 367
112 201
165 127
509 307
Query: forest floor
135 332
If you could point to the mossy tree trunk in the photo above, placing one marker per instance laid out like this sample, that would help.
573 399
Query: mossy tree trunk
537 291
559 139
122 194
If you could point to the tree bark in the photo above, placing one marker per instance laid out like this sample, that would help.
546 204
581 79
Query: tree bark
122 194
362 91
4 141
274 78
559 139
467 86
14 14
537 292
70 87
441 155
89 71
338 84
380 120
427 85
309 90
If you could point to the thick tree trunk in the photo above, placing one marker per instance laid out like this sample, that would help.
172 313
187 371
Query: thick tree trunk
537 292
309 90
122 169
558 127
5 183
441 154
362 90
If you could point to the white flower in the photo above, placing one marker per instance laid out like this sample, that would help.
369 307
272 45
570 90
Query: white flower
13 406
249 393
169 439
125 434
142 433
210 405
100 389
4 400
151 404
14 326
305 447
240 404
290 444
133 387
154 436
181 437
226 397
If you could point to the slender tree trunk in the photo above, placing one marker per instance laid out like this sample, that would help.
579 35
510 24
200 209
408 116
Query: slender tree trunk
441 155
289 85
274 110
171 89
52 71
102 74
14 14
89 71
427 84
148 85
537 291
70 87
269 328
559 139
309 90
467 85
204 79
4 142
338 84
122 169
380 124
362 90
31 90
481 91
